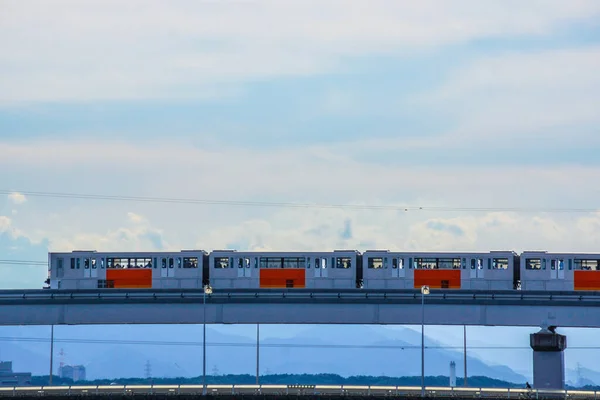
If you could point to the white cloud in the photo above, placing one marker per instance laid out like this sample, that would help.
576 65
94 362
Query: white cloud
298 176
5 223
151 49
17 198
135 218
550 95
140 238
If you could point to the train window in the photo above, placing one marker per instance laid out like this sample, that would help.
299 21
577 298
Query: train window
102 263
86 263
570 264
317 263
221 262
178 262
72 263
375 262
533 263
171 263
500 263
283 262
247 262
394 263
240 263
448 263
464 263
59 263
343 262
78 263
429 263
190 262
155 263
255 262
401 263
588 265
294 262
163 263
94 263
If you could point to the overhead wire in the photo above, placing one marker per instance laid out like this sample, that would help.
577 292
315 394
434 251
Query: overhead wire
289 204
271 345
24 262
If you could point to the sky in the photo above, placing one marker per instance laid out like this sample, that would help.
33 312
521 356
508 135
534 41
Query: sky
474 108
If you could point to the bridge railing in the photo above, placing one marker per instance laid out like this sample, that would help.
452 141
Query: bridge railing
413 391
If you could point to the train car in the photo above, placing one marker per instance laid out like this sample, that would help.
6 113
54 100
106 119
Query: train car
231 269
541 270
494 270
158 270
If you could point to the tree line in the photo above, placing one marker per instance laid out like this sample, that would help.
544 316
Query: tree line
286 379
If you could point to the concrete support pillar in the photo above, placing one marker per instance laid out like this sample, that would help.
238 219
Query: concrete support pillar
548 359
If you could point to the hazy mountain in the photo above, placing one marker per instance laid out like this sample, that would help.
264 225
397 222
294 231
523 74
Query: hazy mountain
122 351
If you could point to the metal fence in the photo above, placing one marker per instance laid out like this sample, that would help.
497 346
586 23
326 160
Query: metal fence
309 390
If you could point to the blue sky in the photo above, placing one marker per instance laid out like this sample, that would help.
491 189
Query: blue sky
453 104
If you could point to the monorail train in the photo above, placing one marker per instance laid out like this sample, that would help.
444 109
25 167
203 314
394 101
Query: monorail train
339 269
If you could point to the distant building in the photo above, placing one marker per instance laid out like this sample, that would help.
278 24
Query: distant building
452 374
74 372
10 378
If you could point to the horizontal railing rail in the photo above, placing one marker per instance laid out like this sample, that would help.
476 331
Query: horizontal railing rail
300 295
430 391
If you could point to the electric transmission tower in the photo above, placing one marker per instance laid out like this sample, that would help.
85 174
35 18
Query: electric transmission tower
148 369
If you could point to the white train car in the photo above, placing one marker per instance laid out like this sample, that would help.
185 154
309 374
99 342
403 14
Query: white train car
494 270
231 269
158 270
541 270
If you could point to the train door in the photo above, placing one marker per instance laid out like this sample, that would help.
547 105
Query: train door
557 269
167 267
240 270
244 268
87 272
60 272
477 270
321 267
94 270
171 269
398 268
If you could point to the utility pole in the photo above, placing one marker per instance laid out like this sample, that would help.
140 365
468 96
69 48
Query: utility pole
51 351
257 352
465 351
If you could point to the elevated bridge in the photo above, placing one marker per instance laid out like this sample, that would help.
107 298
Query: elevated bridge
300 306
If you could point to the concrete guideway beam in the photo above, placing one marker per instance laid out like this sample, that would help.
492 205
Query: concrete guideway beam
307 313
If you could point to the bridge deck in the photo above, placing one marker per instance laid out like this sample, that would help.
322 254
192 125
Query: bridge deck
298 306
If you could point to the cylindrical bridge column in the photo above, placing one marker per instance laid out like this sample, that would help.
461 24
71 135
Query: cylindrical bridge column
548 359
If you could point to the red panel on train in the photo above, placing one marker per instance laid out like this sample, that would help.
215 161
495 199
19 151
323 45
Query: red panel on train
282 278
586 280
437 278
130 278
